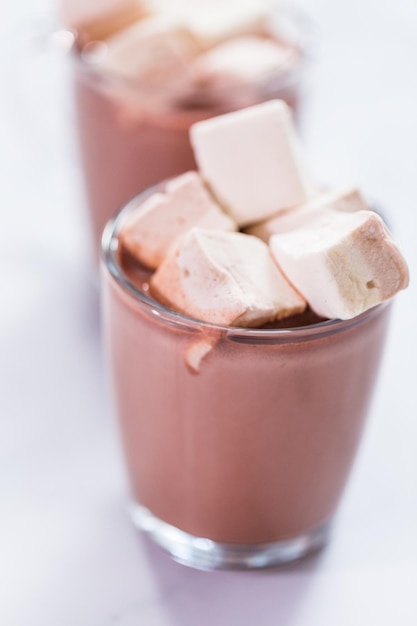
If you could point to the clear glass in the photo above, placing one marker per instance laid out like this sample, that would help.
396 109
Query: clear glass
132 136
238 442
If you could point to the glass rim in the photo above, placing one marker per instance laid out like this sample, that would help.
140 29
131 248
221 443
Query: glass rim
111 263
307 36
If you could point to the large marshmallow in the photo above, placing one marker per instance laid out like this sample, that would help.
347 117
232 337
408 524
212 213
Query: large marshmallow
228 279
242 61
155 49
342 263
164 218
95 20
348 200
214 21
251 159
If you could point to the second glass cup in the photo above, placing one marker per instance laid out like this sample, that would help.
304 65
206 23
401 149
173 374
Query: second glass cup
133 136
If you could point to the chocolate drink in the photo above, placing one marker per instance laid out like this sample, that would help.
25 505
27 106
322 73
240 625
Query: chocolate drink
252 446
129 142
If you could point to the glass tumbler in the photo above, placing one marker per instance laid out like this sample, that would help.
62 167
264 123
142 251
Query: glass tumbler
238 442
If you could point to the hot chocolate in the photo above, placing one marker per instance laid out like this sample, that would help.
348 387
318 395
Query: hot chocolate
133 134
253 443
240 402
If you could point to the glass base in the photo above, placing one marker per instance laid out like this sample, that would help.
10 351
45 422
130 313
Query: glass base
206 554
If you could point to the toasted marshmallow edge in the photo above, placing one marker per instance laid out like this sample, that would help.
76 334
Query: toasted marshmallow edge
347 200
343 264
243 60
154 48
251 160
161 220
228 279
96 20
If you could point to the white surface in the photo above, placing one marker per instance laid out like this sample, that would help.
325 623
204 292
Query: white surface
68 554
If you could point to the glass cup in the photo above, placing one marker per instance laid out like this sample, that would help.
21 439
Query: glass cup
133 136
238 442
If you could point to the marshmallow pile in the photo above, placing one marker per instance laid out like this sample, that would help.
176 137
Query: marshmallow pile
190 43
300 246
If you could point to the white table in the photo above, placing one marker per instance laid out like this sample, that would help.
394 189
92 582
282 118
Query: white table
68 553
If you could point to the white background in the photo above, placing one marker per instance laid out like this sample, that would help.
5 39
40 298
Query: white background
68 554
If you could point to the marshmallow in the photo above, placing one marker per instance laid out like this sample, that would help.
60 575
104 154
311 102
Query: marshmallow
95 20
251 160
218 20
226 279
154 49
342 263
242 61
164 218
197 351
348 200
